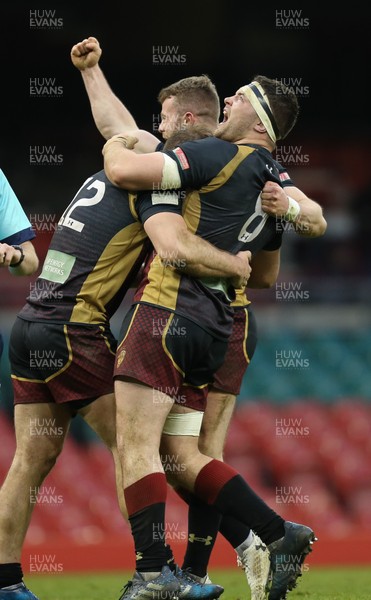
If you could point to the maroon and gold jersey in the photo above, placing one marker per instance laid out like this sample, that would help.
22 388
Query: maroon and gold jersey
93 257
224 208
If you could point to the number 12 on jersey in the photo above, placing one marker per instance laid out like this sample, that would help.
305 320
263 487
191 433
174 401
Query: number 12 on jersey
66 220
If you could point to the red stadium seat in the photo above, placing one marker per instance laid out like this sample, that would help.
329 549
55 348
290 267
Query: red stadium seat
359 504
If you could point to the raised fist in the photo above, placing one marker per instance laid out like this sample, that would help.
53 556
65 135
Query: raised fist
86 54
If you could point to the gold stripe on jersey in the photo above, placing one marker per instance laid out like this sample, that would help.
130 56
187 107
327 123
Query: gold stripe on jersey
26 379
163 285
132 198
192 210
68 363
102 284
128 329
197 387
166 329
241 298
106 340
228 170
245 336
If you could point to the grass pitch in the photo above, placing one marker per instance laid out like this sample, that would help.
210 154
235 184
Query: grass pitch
343 583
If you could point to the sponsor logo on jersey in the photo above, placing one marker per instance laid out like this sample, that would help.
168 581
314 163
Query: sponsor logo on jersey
182 158
284 176
165 197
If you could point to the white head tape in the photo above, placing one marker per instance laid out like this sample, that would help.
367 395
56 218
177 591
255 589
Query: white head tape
260 103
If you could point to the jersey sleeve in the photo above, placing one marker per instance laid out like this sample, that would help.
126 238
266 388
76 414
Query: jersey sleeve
200 161
15 227
275 243
148 204
285 178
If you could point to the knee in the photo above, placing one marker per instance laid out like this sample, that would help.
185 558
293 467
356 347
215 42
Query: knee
49 458
39 457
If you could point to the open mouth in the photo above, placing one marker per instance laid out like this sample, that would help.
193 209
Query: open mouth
225 116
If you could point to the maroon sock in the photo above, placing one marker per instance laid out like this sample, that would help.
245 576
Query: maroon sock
222 487
146 500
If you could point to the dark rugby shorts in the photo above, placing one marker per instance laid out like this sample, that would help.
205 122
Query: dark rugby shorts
60 363
241 347
167 351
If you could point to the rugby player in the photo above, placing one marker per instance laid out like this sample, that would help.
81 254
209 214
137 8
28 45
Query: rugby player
185 103
228 173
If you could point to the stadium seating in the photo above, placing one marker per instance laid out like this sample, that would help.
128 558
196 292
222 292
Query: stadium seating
311 461
302 439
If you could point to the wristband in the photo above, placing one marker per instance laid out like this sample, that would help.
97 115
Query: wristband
293 210
20 260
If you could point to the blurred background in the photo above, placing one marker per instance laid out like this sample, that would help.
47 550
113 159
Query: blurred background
302 428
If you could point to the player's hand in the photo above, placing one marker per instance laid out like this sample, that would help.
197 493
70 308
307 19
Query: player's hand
274 199
8 255
86 54
127 141
240 281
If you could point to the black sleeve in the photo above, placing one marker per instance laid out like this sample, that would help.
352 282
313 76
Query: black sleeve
275 243
285 178
200 161
151 203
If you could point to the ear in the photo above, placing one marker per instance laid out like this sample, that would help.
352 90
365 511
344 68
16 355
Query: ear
189 118
259 127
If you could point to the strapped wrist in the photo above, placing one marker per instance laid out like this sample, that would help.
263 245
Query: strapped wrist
293 210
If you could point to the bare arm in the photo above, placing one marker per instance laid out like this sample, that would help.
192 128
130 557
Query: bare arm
310 222
9 256
200 270
191 254
265 266
131 171
110 115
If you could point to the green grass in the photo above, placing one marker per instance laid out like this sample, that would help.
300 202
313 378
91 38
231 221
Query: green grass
343 583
